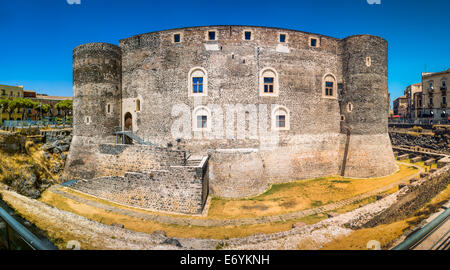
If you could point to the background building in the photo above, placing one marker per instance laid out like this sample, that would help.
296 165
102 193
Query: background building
409 93
401 106
7 91
435 95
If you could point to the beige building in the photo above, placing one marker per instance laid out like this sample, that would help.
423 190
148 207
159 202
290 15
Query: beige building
7 91
435 92
409 93
401 106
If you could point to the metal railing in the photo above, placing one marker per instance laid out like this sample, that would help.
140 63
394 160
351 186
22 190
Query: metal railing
14 236
418 236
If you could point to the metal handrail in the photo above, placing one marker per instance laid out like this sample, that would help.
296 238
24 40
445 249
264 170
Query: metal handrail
29 238
416 237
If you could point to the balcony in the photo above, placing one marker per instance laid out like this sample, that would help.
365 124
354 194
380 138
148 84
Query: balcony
444 105
430 106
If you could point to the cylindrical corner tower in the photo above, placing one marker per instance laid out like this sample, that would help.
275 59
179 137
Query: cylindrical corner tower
364 105
97 69
97 86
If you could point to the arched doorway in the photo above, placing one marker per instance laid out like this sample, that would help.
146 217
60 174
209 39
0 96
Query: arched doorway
128 122
128 127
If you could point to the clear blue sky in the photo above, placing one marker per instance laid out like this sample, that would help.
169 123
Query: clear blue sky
37 36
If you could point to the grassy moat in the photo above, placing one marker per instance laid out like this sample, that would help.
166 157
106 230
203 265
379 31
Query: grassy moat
279 199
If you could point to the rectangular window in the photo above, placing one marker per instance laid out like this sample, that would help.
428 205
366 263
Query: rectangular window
444 100
282 38
212 35
431 101
202 121
109 108
281 121
329 88
268 85
177 38
248 35
197 84
313 42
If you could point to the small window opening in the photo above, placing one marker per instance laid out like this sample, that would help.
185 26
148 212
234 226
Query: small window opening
282 38
248 35
313 42
177 38
212 35
138 105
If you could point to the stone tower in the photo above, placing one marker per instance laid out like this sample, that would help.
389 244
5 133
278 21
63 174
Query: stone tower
364 108
97 99
97 90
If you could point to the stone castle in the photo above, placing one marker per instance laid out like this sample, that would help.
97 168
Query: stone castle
233 89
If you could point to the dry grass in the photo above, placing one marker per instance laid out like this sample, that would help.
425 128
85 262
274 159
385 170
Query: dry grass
301 195
387 233
358 240
421 164
139 225
22 165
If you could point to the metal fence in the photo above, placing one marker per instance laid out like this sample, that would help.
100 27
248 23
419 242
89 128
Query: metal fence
15 236
420 121
31 124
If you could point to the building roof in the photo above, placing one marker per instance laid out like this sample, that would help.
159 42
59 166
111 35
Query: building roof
431 74
44 97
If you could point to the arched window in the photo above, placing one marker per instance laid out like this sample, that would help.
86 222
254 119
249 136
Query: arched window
329 89
281 118
138 105
268 83
201 119
198 82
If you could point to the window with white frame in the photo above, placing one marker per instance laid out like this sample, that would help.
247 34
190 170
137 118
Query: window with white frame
283 38
108 108
201 119
177 38
138 105
211 35
198 82
349 107
268 78
329 86
280 118
314 42
87 120
248 35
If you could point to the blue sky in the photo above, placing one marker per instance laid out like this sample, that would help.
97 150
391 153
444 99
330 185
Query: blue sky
37 36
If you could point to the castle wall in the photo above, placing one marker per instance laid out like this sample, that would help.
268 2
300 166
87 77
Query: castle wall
87 161
149 76
156 71
177 189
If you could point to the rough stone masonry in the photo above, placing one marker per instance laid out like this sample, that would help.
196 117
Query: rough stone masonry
326 100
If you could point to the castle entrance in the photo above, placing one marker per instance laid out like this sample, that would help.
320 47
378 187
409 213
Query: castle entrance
128 122
128 127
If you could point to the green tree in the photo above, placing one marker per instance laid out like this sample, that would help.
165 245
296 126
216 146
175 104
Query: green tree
66 106
42 109
13 105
